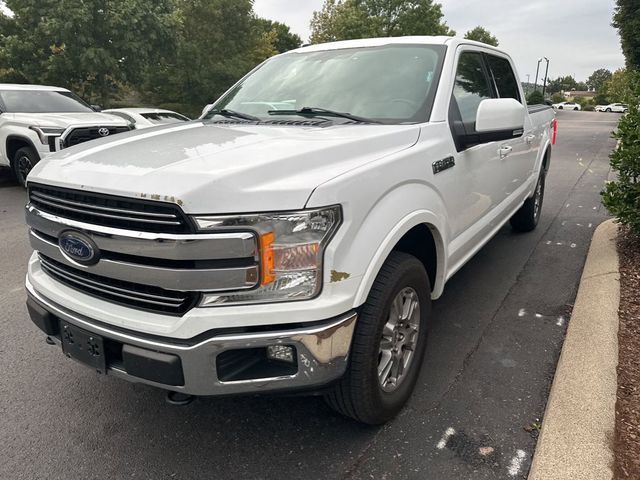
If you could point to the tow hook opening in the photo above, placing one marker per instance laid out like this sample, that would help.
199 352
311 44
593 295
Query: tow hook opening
179 399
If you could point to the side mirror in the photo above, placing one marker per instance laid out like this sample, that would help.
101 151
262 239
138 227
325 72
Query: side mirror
96 108
500 119
206 109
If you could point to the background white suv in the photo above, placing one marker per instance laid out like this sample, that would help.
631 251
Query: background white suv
37 120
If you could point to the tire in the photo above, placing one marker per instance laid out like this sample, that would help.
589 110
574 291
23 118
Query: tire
22 163
575 109
608 110
560 107
360 394
527 217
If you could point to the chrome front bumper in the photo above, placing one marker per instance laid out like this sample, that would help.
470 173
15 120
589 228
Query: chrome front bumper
322 351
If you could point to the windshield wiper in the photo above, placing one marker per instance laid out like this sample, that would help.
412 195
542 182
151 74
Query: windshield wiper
317 111
233 114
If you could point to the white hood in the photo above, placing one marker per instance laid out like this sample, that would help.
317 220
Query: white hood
213 168
64 120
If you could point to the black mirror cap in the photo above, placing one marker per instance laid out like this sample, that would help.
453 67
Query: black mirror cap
96 108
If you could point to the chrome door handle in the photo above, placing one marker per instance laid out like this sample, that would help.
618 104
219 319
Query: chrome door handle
505 150
529 139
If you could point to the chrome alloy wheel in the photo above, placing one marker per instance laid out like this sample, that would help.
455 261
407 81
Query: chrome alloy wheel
399 339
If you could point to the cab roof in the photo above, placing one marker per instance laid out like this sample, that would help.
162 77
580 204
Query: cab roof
378 42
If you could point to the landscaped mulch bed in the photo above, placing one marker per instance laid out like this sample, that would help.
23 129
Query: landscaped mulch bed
627 437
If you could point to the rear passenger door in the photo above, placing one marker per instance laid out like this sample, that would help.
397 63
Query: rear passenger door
518 163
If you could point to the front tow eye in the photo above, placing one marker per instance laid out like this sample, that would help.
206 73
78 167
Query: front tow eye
179 399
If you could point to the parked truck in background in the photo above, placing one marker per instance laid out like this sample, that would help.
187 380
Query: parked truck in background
37 120
293 238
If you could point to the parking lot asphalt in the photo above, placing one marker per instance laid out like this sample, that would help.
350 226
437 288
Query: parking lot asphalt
495 339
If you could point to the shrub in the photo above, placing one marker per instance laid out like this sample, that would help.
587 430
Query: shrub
535 98
622 196
557 98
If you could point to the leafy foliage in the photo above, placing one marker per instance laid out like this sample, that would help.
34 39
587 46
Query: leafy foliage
481 34
175 53
561 84
349 19
535 98
627 20
91 46
598 78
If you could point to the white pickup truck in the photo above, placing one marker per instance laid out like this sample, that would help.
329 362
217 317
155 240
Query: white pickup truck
279 243
36 120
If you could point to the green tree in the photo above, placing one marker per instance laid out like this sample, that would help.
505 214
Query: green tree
285 39
597 79
217 42
349 19
535 98
619 87
562 84
627 20
481 34
91 46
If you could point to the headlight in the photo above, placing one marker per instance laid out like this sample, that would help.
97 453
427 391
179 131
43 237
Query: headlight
291 249
45 132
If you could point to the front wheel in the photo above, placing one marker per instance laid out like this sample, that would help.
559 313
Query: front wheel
389 343
526 219
608 110
23 161
560 107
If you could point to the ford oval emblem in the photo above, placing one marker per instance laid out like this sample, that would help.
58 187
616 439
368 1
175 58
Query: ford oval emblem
103 132
79 248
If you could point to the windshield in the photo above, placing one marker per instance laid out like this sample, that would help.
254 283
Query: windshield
41 101
389 84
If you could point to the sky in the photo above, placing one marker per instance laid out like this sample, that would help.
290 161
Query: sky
576 35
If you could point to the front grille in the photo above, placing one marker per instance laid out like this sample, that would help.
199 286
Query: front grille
142 297
84 134
110 210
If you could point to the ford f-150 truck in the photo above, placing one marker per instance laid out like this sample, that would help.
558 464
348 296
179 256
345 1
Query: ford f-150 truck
36 120
292 238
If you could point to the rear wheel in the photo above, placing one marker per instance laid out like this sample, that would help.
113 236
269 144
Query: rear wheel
526 219
576 109
389 343
560 107
22 163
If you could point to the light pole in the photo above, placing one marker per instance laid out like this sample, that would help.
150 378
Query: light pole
535 88
546 74
528 83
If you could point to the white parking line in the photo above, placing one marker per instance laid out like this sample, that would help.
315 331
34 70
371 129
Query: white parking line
445 438
516 462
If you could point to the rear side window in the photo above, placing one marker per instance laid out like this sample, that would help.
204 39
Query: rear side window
504 78
471 87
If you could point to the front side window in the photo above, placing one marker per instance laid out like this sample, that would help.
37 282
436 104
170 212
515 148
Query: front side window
471 86
42 101
388 84
504 77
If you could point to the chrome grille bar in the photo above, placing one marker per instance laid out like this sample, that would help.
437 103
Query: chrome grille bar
127 293
42 196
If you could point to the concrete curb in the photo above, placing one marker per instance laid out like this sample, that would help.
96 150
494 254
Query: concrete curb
577 431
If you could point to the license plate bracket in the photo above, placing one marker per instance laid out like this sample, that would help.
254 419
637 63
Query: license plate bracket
83 346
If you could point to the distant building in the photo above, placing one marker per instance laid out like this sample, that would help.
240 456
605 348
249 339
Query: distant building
579 94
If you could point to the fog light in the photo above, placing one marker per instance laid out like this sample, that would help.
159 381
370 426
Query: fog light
283 353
